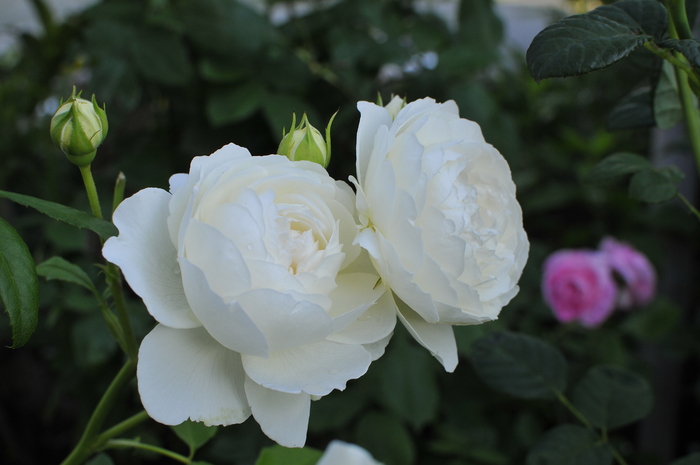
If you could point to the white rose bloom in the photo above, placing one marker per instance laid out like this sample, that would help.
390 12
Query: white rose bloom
248 266
439 218
343 453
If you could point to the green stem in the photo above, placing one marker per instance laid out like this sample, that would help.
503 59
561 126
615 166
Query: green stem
91 190
562 398
44 13
119 428
127 443
690 111
679 18
690 206
86 445
673 59
620 459
115 285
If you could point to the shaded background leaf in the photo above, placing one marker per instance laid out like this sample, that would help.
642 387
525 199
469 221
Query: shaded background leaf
520 365
19 285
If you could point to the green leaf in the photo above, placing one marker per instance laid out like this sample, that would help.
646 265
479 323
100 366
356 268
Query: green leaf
58 268
667 106
225 27
215 70
520 365
689 48
278 455
583 43
692 459
19 285
615 166
386 438
77 218
93 344
100 459
610 397
233 104
194 434
407 383
632 111
653 186
654 323
570 445
161 57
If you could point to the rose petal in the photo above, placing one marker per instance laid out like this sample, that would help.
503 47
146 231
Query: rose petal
339 452
283 417
371 326
185 373
316 368
228 323
148 258
355 293
438 338
401 281
285 321
376 349
371 119
219 259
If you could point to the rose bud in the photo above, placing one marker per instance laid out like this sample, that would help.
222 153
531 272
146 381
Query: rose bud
305 142
78 128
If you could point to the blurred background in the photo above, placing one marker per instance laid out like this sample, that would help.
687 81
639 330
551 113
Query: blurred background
181 78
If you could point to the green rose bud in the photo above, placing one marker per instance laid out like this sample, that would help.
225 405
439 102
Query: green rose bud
78 128
305 142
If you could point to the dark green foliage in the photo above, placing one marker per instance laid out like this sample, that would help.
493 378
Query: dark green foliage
520 365
611 397
570 445
583 43
278 455
19 286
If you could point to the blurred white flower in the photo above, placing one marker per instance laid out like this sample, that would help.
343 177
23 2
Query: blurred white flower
263 304
343 453
439 218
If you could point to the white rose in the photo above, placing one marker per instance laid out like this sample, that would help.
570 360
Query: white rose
343 453
439 218
248 266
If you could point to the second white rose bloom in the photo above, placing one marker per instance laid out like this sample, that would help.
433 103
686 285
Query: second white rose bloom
248 266
439 218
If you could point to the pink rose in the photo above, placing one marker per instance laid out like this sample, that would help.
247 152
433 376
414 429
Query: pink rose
578 286
635 270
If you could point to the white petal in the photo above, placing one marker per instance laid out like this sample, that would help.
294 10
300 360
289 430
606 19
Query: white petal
226 322
372 117
343 453
438 338
401 281
316 368
284 321
355 293
177 181
219 259
185 373
148 258
373 325
376 349
283 417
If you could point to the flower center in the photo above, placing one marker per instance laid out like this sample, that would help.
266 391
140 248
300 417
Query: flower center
300 248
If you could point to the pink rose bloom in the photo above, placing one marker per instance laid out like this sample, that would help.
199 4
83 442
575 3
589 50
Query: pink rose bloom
578 286
635 269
